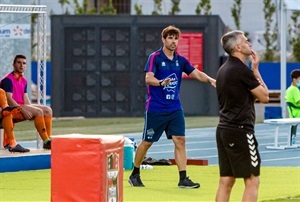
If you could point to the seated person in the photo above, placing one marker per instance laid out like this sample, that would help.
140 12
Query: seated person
292 95
6 117
15 86
292 99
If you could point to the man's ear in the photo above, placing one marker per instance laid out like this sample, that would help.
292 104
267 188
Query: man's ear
237 48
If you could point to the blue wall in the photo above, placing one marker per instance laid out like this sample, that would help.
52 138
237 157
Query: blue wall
270 73
48 75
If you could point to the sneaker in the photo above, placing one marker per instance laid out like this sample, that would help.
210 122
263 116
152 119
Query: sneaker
187 183
47 145
18 148
135 181
6 146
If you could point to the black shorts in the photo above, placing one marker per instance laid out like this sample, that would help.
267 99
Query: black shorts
172 124
238 153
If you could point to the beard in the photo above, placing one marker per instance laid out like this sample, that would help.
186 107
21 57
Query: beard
171 47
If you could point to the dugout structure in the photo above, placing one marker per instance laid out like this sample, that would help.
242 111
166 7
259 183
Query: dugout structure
98 62
41 11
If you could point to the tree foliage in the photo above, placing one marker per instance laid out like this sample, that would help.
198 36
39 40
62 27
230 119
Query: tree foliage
270 34
108 9
158 7
294 31
203 6
138 9
175 7
236 13
62 4
82 8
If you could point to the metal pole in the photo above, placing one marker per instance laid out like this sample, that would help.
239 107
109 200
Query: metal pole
44 68
282 58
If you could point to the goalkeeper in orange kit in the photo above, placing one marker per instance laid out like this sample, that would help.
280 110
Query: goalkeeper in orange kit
15 86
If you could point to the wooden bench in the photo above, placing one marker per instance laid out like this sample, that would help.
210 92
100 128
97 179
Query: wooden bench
1 134
274 96
277 123
1 138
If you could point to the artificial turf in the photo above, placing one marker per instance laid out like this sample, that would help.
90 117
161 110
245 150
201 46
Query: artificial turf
277 183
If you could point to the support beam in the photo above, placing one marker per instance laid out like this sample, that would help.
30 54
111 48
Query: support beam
5 8
282 58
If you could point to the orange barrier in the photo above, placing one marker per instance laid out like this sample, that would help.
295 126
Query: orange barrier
87 168
197 162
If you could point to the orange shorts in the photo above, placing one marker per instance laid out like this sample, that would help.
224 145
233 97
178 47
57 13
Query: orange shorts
16 113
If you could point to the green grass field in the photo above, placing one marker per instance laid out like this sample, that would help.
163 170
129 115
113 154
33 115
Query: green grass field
277 183
25 130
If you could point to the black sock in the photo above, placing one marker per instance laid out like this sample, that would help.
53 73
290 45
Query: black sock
135 171
182 174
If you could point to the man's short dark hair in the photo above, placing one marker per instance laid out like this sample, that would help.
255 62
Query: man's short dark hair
295 74
170 30
19 56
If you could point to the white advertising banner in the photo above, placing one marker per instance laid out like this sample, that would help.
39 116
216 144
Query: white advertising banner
15 31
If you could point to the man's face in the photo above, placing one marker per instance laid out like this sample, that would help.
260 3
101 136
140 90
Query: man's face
171 42
20 65
244 46
296 81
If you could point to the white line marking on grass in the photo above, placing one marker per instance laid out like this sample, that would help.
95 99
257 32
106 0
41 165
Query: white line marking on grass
282 159
203 157
172 151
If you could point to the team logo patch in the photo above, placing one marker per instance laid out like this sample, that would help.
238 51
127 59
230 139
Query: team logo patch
173 84
150 133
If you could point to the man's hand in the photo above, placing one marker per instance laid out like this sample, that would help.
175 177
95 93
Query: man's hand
254 57
213 82
27 114
165 82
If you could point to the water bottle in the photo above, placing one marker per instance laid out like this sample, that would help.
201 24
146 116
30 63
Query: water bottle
134 143
293 139
146 167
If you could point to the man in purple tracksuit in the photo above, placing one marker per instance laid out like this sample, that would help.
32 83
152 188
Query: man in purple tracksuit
163 112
